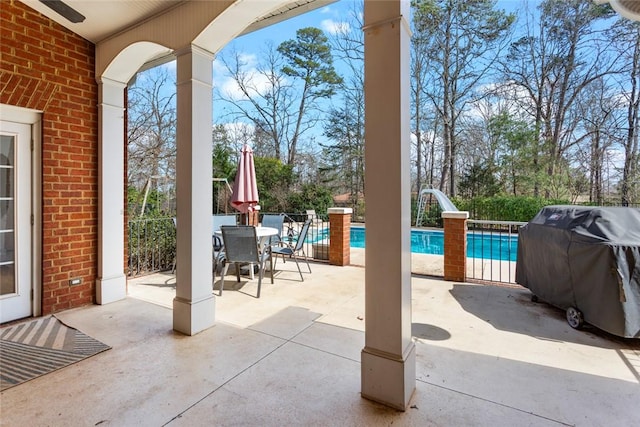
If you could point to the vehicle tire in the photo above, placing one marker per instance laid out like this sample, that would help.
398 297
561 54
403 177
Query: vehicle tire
574 318
534 298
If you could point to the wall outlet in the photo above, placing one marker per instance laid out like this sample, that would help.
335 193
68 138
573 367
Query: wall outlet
76 281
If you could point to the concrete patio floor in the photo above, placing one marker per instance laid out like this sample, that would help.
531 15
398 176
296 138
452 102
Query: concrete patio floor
486 356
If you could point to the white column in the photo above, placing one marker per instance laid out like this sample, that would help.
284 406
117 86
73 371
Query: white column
194 304
111 284
388 358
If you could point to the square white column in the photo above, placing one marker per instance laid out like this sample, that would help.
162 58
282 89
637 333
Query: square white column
111 283
388 358
194 304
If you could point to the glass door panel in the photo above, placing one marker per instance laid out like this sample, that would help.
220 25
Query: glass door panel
7 215
16 264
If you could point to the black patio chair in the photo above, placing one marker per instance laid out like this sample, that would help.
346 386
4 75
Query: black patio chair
273 221
287 250
218 221
241 247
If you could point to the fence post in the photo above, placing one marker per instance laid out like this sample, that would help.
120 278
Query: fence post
455 245
340 236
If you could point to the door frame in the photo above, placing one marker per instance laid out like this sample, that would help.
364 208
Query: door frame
32 118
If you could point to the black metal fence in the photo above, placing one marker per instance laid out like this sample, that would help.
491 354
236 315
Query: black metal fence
316 245
151 245
152 241
492 245
492 248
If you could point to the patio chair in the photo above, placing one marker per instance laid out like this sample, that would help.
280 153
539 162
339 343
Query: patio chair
286 249
175 257
218 221
241 247
273 221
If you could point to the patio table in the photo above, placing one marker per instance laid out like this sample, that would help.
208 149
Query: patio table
262 234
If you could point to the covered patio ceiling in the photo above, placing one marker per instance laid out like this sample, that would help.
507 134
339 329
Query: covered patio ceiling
103 19
628 8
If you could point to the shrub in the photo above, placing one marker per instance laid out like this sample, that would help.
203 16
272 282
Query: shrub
311 196
505 208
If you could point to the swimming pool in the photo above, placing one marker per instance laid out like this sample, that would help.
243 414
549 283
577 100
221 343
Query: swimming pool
485 245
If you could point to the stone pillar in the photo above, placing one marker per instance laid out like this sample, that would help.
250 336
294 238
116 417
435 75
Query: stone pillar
455 245
340 236
194 304
111 283
389 357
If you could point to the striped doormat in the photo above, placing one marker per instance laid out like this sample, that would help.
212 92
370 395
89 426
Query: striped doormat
37 347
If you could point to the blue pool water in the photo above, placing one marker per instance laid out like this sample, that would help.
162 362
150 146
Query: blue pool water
490 246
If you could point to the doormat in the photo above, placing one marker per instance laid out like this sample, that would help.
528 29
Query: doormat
36 347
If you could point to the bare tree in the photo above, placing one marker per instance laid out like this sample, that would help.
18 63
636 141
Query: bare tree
463 40
627 38
310 62
281 95
419 68
345 124
550 66
151 144
598 110
264 94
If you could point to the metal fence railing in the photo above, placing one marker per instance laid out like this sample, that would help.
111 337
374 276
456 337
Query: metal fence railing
492 248
491 245
316 245
151 245
152 241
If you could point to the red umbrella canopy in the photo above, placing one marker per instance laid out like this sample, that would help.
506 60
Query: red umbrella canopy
245 187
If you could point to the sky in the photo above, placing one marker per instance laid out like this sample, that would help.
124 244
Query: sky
251 46
331 19
328 18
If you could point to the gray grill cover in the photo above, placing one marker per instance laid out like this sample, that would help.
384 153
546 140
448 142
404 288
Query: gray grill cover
588 258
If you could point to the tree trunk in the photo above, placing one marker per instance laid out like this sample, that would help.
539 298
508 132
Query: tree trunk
629 172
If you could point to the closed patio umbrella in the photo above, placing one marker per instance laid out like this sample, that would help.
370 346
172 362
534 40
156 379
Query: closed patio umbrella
245 187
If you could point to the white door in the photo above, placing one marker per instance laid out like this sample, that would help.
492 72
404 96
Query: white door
15 221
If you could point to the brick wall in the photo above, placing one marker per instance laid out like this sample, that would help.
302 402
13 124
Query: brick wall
455 246
46 67
340 236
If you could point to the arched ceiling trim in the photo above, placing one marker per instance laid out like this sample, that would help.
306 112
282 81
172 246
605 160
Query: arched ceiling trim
210 25
174 29
630 9
124 66
233 21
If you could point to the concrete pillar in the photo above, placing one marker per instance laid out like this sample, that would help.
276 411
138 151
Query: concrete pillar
111 282
455 245
388 358
340 236
194 304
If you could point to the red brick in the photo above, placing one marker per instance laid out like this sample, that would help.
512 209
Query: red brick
455 257
46 67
